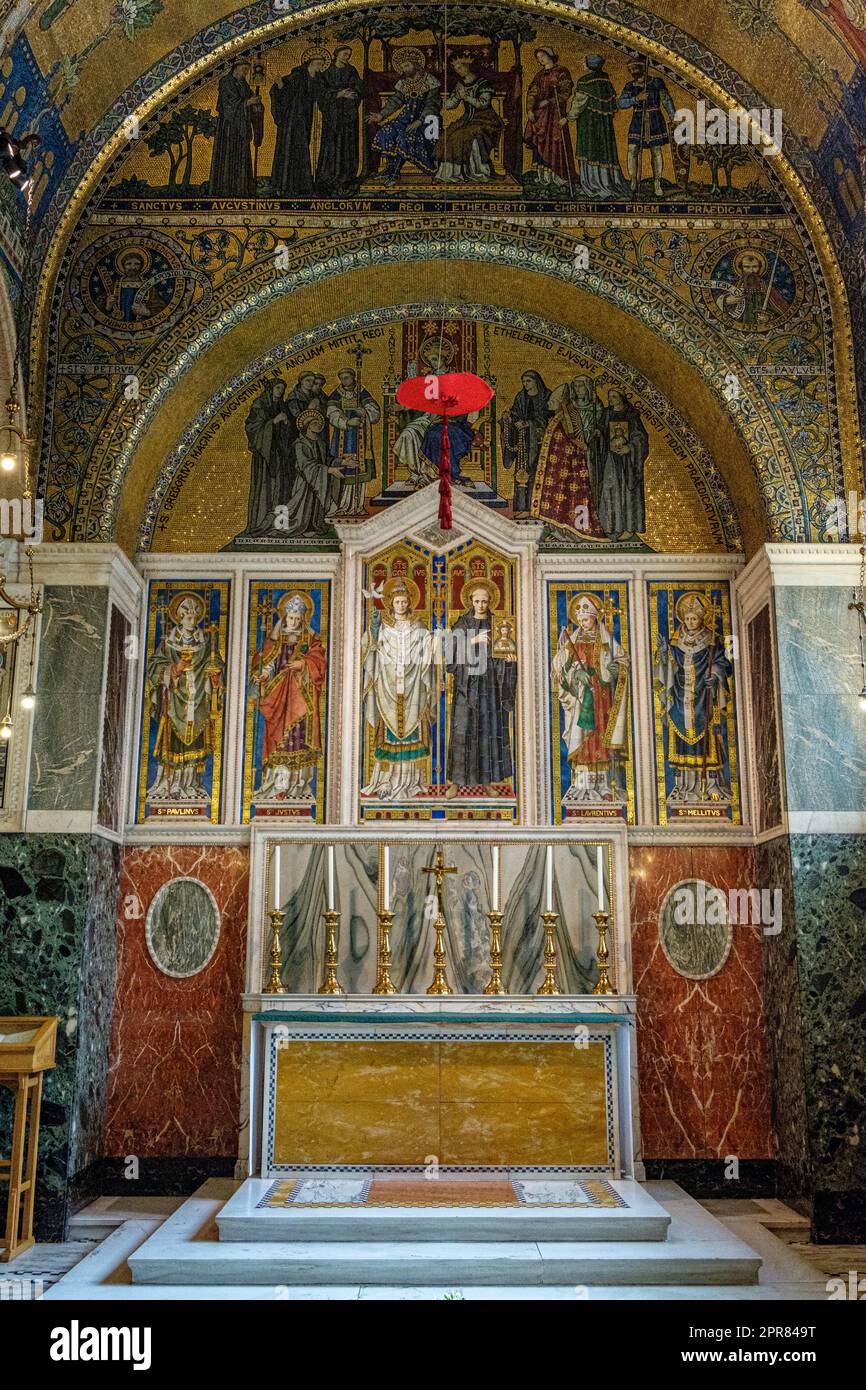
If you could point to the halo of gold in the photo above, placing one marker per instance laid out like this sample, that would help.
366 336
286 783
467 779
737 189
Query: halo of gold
594 600
398 581
310 53
691 597
175 602
123 255
472 584
307 416
737 259
414 53
296 593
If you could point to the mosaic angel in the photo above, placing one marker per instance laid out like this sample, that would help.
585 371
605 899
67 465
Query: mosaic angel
398 658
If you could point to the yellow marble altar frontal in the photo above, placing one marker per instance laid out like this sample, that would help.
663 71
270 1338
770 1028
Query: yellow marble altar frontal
475 1103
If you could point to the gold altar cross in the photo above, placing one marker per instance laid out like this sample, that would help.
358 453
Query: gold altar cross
440 869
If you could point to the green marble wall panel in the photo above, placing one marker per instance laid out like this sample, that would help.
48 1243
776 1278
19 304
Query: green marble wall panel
58 900
66 727
819 679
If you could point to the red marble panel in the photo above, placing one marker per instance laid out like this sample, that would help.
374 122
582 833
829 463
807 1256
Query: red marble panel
175 1066
702 1064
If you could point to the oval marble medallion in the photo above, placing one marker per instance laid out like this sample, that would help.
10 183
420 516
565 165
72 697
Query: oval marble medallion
694 929
182 927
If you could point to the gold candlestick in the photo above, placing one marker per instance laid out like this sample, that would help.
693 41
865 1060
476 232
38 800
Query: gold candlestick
439 869
440 983
604 985
331 984
494 984
384 983
275 983
549 986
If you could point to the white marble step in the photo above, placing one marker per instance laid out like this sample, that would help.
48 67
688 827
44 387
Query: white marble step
162 1260
241 1219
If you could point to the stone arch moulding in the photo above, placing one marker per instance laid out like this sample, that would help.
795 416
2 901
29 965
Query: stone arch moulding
200 55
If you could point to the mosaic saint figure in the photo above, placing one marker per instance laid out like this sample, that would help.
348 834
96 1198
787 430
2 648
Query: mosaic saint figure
352 412
341 90
406 134
466 147
570 465
651 105
522 429
293 106
590 677
546 131
239 124
592 107
270 435
398 659
316 486
483 695
287 677
306 394
751 299
692 679
621 503
185 677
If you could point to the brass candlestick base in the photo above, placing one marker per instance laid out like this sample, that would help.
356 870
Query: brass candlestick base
440 983
275 983
550 985
331 984
494 984
604 985
384 983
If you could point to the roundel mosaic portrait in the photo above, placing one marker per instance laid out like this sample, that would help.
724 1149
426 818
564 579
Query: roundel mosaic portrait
182 927
748 287
136 285
695 931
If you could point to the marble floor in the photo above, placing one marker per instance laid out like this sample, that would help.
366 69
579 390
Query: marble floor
112 1229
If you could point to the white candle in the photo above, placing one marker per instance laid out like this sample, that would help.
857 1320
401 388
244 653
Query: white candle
330 878
548 906
495 903
600 867
276 876
386 880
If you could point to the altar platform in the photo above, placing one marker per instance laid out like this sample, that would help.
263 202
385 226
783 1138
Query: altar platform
517 1086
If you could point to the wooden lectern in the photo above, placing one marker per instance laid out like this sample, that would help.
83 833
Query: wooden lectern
26 1051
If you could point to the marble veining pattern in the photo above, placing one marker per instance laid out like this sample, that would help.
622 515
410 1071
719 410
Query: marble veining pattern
57 895
819 673
66 727
175 1073
702 1068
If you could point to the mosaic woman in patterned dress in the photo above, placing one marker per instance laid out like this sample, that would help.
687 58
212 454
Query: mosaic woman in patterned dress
572 457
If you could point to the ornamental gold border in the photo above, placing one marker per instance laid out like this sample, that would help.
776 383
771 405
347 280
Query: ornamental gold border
691 76
653 588
570 587
171 586
255 588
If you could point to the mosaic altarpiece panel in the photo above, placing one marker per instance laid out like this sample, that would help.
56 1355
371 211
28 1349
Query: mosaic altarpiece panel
183 706
287 690
591 719
692 653
439 685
